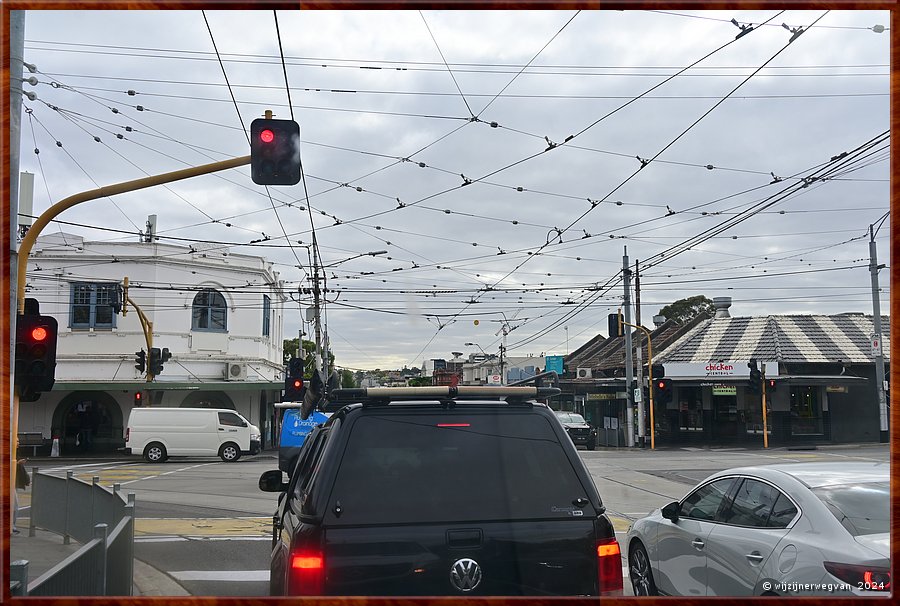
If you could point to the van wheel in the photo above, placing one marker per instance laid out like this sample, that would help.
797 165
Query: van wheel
155 453
230 452
591 445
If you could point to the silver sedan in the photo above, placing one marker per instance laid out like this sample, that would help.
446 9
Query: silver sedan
795 529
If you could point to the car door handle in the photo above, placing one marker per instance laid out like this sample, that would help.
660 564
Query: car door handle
221 429
755 557
698 543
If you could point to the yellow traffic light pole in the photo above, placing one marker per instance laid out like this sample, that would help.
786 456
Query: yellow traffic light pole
146 325
649 378
52 212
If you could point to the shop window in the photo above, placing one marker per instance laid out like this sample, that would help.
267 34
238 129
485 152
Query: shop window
690 409
806 411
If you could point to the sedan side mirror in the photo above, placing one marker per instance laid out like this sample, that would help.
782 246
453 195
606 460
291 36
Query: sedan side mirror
671 511
270 481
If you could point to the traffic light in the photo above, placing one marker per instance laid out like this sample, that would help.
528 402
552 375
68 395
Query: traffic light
662 393
274 152
615 325
140 361
753 383
771 384
294 385
138 399
35 370
294 389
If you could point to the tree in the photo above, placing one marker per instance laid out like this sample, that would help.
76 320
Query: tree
347 379
309 351
685 310
419 381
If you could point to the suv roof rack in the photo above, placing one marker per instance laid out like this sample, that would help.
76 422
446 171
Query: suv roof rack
447 395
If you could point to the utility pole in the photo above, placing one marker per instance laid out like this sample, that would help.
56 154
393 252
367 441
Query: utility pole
639 354
877 351
319 361
629 370
16 53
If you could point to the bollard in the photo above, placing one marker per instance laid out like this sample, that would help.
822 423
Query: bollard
54 449
100 531
66 538
18 578
31 528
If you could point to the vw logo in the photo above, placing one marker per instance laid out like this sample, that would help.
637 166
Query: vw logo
465 574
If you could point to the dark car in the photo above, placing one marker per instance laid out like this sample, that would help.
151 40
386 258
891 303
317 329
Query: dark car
578 429
459 491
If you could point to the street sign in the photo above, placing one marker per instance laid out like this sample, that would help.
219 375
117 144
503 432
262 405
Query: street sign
638 395
876 345
494 380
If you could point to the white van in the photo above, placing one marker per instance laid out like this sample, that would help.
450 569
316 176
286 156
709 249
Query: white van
157 433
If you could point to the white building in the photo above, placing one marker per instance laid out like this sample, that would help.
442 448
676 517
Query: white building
479 369
219 314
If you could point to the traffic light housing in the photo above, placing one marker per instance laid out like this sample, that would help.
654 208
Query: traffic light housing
274 152
662 391
294 385
35 369
138 399
140 361
755 380
294 389
615 325
157 358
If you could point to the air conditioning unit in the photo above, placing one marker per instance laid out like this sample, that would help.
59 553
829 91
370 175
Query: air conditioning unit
235 371
584 373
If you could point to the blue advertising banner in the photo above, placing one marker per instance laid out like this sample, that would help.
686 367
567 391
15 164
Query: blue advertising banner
294 430
553 363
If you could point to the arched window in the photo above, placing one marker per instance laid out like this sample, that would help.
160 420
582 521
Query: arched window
209 312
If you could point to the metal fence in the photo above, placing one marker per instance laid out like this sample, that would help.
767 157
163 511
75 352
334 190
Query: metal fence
75 509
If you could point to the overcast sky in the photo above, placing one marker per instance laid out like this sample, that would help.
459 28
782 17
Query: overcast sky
505 160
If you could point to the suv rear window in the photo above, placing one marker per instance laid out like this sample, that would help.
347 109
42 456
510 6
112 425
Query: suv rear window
426 468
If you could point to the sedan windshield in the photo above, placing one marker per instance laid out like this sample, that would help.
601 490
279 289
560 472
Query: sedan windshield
570 417
861 508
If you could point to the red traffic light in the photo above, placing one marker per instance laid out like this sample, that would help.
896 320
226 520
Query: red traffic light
298 383
266 136
661 384
39 333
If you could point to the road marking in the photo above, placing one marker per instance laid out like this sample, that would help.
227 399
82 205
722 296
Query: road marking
173 539
222 527
221 575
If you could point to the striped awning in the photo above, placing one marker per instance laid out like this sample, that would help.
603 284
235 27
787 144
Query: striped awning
785 339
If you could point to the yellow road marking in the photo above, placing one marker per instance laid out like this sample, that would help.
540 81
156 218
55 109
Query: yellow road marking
619 524
204 526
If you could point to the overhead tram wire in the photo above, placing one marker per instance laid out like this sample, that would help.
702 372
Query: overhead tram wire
571 137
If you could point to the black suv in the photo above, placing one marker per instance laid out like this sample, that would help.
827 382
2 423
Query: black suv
460 491
578 429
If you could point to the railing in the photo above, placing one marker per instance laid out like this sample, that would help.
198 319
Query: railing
104 565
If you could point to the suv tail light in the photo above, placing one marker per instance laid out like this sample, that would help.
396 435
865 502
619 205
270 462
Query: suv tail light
307 575
870 578
127 434
609 567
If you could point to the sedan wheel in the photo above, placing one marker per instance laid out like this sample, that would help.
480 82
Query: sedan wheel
639 571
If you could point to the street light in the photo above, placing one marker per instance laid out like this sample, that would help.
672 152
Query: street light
478 346
367 254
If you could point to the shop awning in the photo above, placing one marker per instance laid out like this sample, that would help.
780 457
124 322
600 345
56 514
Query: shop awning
167 386
793 379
